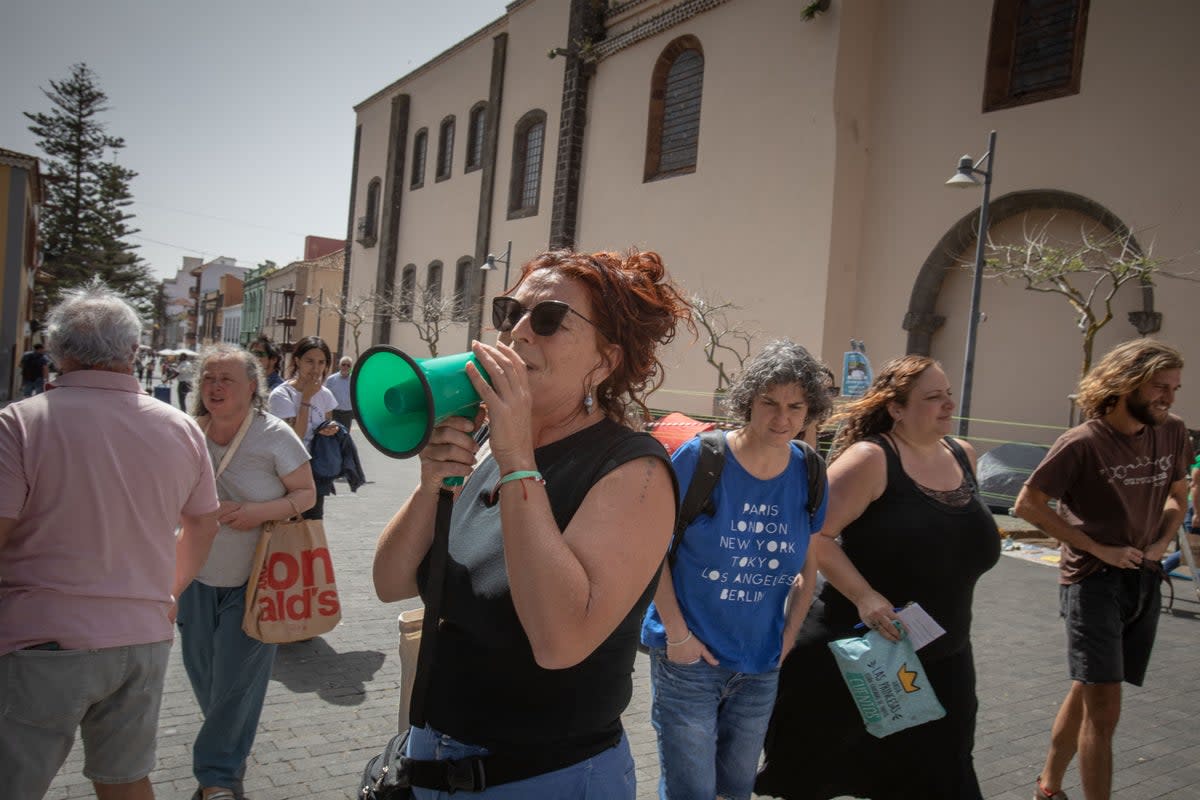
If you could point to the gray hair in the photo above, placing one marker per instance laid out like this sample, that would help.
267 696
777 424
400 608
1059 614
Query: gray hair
220 352
781 363
95 327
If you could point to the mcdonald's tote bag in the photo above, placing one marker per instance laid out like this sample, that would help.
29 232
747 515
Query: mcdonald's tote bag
292 595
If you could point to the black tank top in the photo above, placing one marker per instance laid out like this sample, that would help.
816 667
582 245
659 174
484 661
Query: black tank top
911 547
486 689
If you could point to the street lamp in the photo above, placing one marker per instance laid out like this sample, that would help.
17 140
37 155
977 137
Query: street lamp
308 301
489 263
287 320
965 177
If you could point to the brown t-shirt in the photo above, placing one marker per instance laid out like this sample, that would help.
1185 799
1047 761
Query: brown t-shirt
1111 485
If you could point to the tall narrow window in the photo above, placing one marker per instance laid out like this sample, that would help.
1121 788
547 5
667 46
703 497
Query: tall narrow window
461 271
476 130
433 281
676 88
528 143
445 148
408 288
420 145
1035 51
368 223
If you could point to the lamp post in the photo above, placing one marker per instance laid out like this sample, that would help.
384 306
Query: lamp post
287 320
489 263
964 177
308 301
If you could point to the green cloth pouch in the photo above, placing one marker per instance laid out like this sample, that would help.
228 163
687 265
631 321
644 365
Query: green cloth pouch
887 681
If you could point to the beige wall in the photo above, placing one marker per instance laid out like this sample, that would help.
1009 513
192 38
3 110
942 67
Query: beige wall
819 192
752 224
1116 143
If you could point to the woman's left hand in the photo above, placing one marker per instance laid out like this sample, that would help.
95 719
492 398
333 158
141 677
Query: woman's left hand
509 403
328 430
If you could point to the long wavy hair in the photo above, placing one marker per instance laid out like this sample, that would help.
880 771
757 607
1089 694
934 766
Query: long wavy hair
635 306
1123 370
869 415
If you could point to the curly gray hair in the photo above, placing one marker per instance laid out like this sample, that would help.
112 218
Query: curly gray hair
94 327
781 363
220 352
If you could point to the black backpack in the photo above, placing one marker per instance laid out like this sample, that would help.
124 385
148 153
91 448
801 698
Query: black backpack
698 499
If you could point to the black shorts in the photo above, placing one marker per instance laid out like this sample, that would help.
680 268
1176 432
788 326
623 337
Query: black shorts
1112 617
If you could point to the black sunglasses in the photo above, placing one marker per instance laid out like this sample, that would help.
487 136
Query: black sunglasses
545 317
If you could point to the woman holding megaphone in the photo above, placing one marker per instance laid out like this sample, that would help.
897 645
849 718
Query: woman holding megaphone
555 539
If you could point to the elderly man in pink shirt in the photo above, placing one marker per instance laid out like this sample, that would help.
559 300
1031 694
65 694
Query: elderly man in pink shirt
95 476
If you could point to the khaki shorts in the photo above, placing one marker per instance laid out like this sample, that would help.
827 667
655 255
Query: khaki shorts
112 696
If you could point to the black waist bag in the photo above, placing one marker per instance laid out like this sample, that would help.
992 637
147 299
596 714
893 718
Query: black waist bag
385 776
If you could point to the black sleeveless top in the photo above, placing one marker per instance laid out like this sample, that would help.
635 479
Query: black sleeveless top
911 547
486 689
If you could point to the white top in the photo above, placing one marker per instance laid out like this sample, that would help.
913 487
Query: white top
269 451
284 403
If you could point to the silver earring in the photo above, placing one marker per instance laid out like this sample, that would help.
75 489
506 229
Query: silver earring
588 401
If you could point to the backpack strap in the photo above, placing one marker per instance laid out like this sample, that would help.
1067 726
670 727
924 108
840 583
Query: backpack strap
815 468
698 499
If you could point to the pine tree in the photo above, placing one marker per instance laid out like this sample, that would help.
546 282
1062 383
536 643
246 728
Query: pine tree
83 222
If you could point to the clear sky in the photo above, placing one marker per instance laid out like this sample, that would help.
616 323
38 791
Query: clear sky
237 114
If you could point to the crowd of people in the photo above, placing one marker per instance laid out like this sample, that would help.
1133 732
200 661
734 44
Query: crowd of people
560 554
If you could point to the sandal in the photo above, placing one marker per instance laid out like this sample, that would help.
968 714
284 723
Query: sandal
1039 793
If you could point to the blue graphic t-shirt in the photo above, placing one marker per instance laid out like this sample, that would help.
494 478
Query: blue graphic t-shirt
733 570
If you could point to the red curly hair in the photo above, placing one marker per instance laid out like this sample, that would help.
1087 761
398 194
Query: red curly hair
635 306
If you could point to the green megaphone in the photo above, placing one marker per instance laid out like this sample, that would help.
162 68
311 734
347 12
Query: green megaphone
398 399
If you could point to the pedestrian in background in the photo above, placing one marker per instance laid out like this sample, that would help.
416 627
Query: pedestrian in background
262 475
94 478
714 659
270 359
1121 482
185 373
303 402
339 384
35 370
912 529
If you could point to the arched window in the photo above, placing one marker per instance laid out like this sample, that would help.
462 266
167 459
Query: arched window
368 223
445 148
673 133
476 130
408 288
420 145
461 271
433 281
529 141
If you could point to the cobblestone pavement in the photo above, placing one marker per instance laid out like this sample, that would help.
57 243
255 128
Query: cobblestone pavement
332 702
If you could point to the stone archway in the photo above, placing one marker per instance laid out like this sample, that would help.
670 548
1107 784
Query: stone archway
922 320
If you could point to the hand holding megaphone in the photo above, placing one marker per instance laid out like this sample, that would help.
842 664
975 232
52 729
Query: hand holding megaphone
505 392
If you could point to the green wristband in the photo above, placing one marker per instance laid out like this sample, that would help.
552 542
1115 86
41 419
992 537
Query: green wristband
520 475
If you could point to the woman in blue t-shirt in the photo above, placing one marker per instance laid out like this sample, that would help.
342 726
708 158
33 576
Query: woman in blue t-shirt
731 602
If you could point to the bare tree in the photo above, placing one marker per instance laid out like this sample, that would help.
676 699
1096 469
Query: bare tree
1087 273
725 341
426 309
356 313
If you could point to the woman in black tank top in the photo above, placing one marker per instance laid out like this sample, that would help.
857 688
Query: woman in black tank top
902 498
554 541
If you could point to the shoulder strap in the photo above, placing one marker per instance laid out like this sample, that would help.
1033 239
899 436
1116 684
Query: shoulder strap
205 421
815 468
698 499
960 455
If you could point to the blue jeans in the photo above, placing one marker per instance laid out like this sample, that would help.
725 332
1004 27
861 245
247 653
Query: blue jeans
711 723
606 776
229 672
